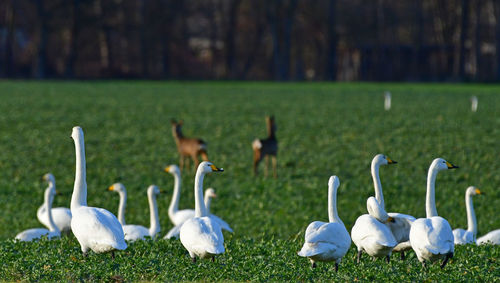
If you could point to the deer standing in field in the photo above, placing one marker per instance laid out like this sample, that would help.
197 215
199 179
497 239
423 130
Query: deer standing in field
188 147
266 147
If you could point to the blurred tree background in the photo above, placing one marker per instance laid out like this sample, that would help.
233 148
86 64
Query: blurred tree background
345 40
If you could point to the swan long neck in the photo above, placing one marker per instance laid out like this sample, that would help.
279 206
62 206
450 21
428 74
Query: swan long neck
121 207
79 197
430 200
207 201
471 215
48 204
377 184
333 215
199 206
153 216
174 203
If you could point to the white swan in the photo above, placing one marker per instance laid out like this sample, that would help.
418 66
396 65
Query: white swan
468 236
37 233
492 238
327 241
60 215
94 228
431 238
400 223
209 194
201 235
138 232
370 233
177 216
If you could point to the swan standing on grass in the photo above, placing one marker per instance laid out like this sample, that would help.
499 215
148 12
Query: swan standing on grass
138 232
201 235
37 233
492 238
400 223
370 233
94 228
327 241
431 238
468 236
177 216
60 215
209 194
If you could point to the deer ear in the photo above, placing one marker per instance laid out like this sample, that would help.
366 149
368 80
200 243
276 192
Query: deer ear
172 121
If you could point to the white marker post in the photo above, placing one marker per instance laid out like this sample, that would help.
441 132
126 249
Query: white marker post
474 102
387 101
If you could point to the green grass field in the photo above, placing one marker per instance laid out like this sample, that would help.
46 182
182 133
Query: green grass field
323 129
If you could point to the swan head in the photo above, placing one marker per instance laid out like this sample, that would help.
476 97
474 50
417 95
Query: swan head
49 178
117 187
208 167
381 159
172 169
77 133
210 192
440 164
473 191
153 190
334 182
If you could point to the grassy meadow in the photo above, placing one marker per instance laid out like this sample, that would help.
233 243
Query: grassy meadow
323 129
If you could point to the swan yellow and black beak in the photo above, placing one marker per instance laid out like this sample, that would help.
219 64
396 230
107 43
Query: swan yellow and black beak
390 219
111 188
167 169
215 169
478 192
451 166
390 161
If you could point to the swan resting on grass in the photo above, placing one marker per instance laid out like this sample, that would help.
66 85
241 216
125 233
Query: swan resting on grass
431 238
492 238
327 241
201 235
94 228
37 233
209 194
60 215
461 236
177 216
137 232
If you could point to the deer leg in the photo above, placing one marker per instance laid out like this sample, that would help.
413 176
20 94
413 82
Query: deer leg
275 173
204 155
266 165
181 162
196 162
187 162
256 160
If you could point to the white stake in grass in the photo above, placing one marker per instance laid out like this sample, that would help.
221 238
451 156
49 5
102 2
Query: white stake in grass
474 102
387 100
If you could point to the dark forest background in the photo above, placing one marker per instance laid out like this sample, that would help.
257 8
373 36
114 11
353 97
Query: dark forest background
345 40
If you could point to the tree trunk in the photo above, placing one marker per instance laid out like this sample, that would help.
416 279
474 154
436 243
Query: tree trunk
230 37
9 43
331 63
463 35
70 64
39 63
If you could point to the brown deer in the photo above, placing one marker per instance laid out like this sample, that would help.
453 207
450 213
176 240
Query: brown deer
266 147
188 147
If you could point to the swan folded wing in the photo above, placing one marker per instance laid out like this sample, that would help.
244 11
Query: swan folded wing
401 225
369 229
134 232
376 210
462 236
174 232
62 217
433 235
182 216
202 235
322 237
223 224
98 228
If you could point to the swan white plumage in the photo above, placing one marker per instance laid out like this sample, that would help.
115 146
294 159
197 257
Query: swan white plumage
94 228
138 232
209 194
60 215
400 223
177 216
461 236
201 235
37 233
327 241
370 232
492 238
431 238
